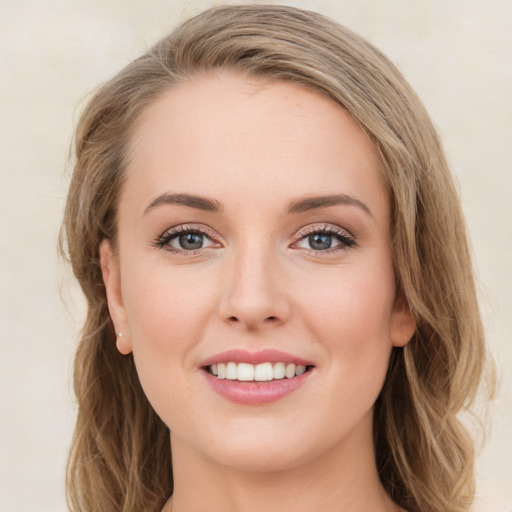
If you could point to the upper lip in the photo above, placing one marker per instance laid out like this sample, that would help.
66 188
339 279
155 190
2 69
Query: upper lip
262 356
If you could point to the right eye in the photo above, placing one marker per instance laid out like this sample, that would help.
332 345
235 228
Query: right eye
184 240
189 241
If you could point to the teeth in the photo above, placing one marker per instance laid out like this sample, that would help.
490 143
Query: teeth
300 370
279 370
231 371
263 372
290 371
245 371
260 372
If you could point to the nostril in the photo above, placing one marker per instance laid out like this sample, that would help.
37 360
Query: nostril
252 322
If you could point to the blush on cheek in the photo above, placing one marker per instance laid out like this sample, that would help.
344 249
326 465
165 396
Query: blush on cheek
357 307
167 316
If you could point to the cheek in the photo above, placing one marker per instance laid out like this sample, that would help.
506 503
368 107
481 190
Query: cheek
167 312
352 299
350 312
166 309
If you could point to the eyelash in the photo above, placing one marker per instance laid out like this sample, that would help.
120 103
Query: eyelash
346 240
164 240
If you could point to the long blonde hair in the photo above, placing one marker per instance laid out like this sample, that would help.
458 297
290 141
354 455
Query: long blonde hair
121 459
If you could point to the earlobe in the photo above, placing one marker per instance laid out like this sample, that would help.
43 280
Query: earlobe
122 344
112 281
403 324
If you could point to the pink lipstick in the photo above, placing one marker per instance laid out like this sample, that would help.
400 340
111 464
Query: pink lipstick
253 378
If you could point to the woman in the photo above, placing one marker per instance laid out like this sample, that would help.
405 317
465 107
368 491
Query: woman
281 307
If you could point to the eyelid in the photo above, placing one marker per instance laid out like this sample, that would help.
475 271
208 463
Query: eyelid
324 227
346 239
344 236
162 241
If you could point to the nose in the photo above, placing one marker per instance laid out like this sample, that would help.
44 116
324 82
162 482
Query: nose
255 296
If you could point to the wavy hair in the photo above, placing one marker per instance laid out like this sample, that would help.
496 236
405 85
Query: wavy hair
120 458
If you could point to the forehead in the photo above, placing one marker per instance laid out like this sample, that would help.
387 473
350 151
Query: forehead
225 132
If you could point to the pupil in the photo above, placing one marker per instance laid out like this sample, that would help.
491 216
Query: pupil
319 241
191 241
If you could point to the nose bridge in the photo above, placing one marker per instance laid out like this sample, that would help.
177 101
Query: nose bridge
254 296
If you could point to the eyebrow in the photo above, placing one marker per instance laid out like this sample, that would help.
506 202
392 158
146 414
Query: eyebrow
299 206
198 202
313 203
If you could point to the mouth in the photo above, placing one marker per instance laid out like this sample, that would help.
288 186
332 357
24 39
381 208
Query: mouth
263 372
256 378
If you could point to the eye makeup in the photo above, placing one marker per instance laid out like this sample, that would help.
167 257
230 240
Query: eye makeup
324 238
315 239
187 239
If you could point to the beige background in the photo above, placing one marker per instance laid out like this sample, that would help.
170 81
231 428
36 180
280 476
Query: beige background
456 53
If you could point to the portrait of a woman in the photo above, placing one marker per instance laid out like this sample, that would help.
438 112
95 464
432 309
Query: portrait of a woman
281 308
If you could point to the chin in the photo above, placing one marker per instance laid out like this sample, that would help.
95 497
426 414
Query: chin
266 447
263 459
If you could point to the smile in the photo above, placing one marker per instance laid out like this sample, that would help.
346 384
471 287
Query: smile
264 372
256 378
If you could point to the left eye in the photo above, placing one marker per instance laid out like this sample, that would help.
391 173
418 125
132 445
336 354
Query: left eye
320 241
324 240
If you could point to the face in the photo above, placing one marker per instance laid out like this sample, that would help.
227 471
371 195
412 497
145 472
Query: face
254 243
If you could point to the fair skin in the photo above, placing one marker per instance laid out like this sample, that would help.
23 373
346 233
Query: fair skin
257 265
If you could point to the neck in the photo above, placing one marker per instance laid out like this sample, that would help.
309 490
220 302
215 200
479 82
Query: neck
343 479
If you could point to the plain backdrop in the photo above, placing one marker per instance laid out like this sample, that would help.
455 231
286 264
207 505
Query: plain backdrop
455 53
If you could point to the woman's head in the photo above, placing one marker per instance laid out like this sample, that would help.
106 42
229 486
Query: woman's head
422 452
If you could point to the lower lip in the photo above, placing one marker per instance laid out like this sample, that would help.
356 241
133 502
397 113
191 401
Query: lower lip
255 393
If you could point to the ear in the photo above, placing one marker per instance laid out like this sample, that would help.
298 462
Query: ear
112 280
403 325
